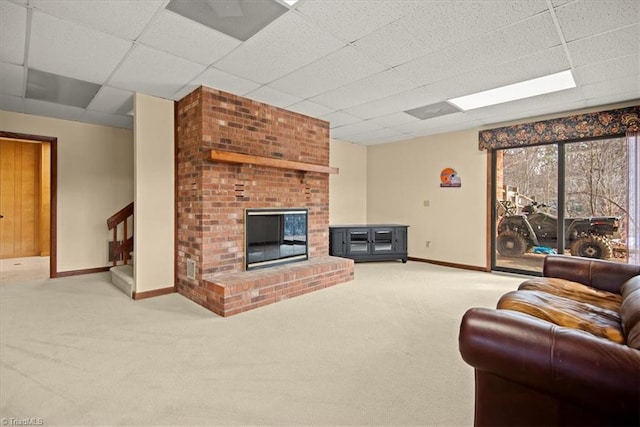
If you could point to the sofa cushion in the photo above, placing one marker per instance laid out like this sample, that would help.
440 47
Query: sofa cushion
566 312
574 290
630 311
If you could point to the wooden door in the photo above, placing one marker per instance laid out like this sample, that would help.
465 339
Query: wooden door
20 188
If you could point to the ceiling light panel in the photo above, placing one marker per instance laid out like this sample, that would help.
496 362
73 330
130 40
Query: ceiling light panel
286 45
123 18
100 52
13 25
59 89
239 19
526 89
182 37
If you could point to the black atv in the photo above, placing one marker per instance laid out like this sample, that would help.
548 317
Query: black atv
585 237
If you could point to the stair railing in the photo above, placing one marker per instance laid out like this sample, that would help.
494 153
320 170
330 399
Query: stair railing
121 249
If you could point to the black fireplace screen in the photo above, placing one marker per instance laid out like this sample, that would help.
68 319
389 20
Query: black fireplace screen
275 236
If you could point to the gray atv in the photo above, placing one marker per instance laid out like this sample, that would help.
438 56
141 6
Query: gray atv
585 237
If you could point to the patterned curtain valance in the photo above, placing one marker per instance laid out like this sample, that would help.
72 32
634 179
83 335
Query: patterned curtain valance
589 125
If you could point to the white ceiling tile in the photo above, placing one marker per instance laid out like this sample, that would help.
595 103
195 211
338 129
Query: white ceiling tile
354 128
515 41
153 72
584 18
11 79
446 23
377 136
48 109
340 118
611 87
613 98
310 108
557 3
368 89
610 70
606 46
395 119
419 126
274 52
13 26
112 100
106 119
11 103
182 37
393 44
272 96
220 80
100 52
400 101
124 18
354 19
334 70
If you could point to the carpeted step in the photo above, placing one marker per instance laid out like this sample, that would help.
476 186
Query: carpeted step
122 277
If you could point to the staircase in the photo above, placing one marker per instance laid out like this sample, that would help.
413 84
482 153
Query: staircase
122 253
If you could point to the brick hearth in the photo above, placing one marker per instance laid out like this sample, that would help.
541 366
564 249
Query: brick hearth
212 198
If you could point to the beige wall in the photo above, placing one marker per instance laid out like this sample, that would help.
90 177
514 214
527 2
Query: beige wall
403 175
95 180
154 193
348 189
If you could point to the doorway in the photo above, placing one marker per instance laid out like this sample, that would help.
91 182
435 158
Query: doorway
28 172
570 198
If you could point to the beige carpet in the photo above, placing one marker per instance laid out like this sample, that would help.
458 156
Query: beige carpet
380 350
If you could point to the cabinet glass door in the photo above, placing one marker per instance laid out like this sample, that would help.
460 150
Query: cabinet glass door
382 240
359 241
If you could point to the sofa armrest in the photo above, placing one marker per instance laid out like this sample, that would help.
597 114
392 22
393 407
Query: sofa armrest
597 273
562 362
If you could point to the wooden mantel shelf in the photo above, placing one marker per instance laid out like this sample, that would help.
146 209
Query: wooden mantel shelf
230 157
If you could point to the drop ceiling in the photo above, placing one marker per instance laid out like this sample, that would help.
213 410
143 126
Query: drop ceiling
359 64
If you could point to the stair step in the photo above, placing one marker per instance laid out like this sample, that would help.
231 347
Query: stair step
122 277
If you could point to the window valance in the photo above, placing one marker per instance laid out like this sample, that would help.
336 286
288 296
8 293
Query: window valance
588 125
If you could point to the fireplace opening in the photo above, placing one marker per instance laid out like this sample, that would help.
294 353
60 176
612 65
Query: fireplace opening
275 236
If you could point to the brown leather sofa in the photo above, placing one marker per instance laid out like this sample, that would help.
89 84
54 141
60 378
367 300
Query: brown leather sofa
552 353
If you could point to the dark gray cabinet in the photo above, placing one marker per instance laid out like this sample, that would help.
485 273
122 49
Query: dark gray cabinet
374 242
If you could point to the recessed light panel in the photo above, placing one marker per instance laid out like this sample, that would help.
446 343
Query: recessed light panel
239 19
526 89
59 89
434 110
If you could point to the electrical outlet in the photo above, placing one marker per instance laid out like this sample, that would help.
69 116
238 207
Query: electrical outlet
428 243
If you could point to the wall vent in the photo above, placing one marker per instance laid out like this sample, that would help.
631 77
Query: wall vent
191 269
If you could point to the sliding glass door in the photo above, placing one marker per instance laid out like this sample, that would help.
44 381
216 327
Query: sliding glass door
565 198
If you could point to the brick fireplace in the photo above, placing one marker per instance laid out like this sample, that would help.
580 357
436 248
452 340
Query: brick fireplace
287 167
